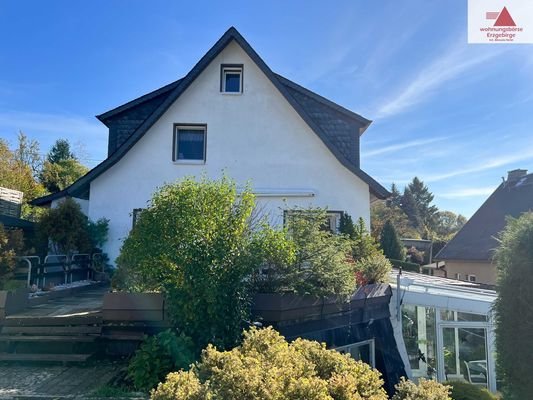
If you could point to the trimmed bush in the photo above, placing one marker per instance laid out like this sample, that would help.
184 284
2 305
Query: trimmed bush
159 355
406 266
467 391
425 390
266 367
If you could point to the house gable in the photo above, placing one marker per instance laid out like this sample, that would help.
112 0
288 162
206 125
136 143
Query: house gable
477 240
333 130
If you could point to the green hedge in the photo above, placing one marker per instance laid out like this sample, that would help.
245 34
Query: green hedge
405 265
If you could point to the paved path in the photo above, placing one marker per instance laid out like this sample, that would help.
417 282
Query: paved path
54 382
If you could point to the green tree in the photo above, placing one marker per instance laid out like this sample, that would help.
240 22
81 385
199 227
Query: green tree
363 244
346 225
61 168
17 175
194 244
395 199
416 203
391 244
28 153
266 367
320 267
66 228
60 151
380 213
514 310
57 176
447 224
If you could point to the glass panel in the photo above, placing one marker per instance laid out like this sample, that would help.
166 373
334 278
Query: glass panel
419 333
471 317
465 354
233 82
190 144
449 315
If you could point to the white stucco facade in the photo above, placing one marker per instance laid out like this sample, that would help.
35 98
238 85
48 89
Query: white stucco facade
254 137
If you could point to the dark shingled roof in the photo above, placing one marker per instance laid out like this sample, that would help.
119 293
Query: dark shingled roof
336 126
11 222
476 240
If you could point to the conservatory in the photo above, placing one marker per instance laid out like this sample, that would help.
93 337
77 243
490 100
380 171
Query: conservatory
447 327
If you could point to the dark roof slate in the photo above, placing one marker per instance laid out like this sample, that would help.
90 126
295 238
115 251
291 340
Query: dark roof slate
13 222
331 122
476 240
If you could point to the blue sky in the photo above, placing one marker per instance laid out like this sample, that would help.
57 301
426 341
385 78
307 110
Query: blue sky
458 116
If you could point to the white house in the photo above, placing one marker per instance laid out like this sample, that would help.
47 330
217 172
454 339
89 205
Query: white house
230 114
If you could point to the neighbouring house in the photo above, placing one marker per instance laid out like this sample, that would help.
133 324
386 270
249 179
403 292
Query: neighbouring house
469 254
11 209
10 202
230 114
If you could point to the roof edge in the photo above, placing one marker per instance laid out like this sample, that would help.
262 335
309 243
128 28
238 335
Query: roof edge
451 242
359 118
139 100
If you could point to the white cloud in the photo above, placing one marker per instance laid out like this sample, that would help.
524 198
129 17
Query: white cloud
484 165
401 146
447 67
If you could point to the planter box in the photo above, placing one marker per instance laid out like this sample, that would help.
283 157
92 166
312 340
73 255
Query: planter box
280 307
12 302
145 307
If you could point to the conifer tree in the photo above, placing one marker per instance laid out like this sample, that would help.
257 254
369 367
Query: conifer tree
391 244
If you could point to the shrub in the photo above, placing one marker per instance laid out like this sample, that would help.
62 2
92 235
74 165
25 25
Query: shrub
467 391
373 269
66 228
361 242
425 390
405 265
194 244
390 242
514 261
266 367
321 267
415 256
11 245
159 355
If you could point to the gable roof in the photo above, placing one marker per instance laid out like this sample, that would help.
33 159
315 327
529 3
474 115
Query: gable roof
332 123
476 240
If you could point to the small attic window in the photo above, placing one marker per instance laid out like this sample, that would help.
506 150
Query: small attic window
231 78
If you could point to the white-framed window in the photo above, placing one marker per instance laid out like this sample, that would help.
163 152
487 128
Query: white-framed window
189 144
231 78
363 351
458 276
471 278
332 222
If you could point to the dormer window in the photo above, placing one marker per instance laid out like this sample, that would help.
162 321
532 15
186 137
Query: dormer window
231 78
